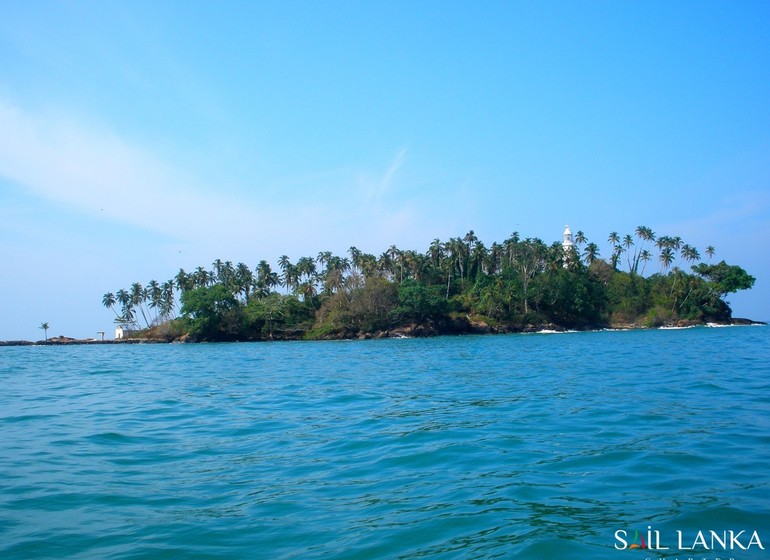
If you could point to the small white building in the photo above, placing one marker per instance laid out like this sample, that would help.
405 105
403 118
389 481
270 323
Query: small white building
122 332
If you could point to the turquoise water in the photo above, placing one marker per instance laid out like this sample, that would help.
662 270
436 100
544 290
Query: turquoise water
519 446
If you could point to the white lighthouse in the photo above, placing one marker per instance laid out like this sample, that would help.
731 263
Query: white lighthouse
567 244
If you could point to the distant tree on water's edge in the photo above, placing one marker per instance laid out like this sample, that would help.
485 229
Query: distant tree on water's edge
460 285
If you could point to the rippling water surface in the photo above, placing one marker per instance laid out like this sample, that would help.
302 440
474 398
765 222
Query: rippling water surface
520 446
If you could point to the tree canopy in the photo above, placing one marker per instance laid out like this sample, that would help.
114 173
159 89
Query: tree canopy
459 285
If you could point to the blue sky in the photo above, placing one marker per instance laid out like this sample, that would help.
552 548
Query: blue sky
140 137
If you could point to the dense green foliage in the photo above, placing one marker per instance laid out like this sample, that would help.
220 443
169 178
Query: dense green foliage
456 286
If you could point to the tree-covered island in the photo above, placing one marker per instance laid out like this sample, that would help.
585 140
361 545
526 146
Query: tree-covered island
457 286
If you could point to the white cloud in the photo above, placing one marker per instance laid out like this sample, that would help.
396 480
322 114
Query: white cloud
95 170
92 169
380 186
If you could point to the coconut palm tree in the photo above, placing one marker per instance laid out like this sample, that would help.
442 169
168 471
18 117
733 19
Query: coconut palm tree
287 271
323 257
266 279
109 301
617 250
167 300
182 281
201 278
418 265
690 253
217 267
710 252
644 234
667 256
580 238
334 275
138 296
470 240
243 279
478 260
153 293
306 268
355 258
123 297
435 252
369 265
127 308
227 278
591 253
628 242
45 327
385 264
645 256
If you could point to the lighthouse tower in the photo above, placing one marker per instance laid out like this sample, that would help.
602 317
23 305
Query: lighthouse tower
567 244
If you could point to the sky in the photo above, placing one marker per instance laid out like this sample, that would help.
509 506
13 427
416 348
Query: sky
138 138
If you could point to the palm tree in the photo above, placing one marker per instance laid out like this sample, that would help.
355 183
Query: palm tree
243 280
644 255
580 238
227 278
127 308
470 240
287 271
667 257
690 253
614 238
355 258
109 301
418 265
45 327
167 303
510 245
201 277
494 257
710 251
306 268
435 252
369 265
385 264
628 242
395 257
323 257
556 257
266 278
154 293
138 296
478 260
458 255
591 253
644 234
617 250
334 275
182 281
217 266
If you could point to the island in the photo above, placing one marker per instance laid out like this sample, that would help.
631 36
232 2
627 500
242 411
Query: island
454 287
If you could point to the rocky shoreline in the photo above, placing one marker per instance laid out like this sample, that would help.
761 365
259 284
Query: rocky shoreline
67 341
408 331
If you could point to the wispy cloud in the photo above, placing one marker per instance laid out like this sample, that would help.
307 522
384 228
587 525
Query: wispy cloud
94 170
377 187
90 168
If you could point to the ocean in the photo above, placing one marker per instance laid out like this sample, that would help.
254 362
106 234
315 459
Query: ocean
592 445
